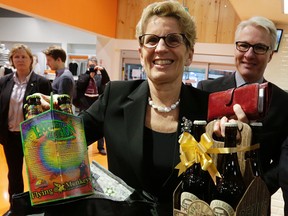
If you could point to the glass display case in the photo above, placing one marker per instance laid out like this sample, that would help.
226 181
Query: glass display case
197 71
219 70
193 74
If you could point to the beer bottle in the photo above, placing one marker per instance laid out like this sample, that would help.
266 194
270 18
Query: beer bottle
33 106
230 188
64 103
195 181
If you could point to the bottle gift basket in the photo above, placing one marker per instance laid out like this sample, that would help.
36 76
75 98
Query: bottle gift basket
209 152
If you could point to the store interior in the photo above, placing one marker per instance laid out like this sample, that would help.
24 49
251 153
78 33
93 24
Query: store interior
117 51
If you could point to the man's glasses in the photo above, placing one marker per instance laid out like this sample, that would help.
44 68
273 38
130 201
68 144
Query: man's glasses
172 40
257 48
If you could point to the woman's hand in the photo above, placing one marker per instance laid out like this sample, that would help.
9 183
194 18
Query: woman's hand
45 100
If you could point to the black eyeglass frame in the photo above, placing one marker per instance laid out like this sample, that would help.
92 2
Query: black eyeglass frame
185 40
253 47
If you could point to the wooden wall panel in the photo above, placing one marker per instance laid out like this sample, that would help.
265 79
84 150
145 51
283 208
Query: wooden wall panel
129 13
215 20
227 23
206 15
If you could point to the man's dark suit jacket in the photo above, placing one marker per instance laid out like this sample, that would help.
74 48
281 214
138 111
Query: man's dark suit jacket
119 115
275 126
37 83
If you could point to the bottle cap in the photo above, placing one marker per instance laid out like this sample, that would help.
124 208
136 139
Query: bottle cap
199 122
256 124
32 96
63 96
231 124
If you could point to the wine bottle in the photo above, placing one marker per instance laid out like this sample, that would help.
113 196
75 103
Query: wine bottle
195 180
253 157
254 154
230 188
253 166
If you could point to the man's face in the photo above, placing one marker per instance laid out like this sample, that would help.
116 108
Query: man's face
251 66
91 64
52 63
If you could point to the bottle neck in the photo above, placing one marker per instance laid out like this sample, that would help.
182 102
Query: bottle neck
198 130
256 131
230 137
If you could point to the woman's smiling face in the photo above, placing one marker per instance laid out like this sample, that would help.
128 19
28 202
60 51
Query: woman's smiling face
164 64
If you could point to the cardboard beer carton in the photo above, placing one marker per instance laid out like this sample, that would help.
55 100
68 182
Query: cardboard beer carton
56 157
256 199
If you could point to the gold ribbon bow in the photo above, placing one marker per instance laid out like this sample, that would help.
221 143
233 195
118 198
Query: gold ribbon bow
193 152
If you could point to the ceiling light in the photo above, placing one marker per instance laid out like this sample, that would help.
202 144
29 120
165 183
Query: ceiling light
285 3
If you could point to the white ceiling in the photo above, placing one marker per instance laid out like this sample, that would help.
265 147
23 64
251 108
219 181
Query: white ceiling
271 9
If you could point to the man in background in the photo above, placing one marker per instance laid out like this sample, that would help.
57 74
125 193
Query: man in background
64 82
255 41
89 86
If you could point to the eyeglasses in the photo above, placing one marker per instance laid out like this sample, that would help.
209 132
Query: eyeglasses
172 40
257 48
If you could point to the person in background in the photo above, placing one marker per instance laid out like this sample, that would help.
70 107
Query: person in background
255 41
36 65
14 88
283 174
4 70
64 82
73 67
89 86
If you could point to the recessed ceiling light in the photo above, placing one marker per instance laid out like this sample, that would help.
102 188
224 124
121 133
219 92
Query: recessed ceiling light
285 3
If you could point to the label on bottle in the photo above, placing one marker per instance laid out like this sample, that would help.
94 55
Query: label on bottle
177 212
33 110
220 207
66 108
186 199
199 207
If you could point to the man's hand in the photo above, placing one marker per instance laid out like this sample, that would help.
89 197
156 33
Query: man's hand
98 68
240 114
219 126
